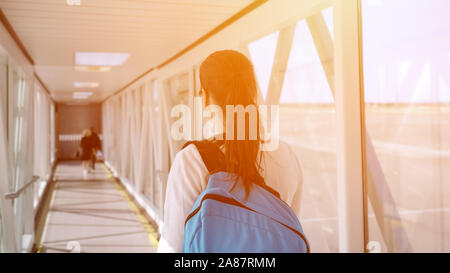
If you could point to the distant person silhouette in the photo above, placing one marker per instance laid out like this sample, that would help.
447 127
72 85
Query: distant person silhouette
96 146
86 151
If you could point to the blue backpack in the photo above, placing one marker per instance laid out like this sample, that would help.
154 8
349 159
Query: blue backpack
223 221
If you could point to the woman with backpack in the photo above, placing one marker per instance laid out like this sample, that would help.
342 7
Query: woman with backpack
227 195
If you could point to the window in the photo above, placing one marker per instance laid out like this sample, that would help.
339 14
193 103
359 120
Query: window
3 105
407 108
262 53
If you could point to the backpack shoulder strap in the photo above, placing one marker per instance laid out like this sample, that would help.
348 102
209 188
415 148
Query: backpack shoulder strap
212 156
214 160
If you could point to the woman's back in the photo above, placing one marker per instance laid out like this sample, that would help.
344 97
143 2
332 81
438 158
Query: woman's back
188 178
85 144
228 81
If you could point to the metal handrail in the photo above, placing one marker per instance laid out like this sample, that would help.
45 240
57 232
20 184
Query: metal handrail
13 195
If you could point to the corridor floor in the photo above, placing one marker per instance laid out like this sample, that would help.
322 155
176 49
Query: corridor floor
92 213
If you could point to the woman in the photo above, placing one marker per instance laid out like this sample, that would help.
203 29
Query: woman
227 78
86 151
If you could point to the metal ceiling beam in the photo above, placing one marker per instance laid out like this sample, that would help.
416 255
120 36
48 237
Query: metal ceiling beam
279 66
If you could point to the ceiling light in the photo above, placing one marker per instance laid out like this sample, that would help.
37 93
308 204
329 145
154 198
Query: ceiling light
73 2
77 103
101 58
86 84
84 68
81 95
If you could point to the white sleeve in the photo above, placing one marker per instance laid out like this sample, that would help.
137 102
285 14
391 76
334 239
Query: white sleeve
185 183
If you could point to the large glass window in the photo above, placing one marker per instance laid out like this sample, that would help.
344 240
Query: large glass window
158 149
20 128
20 143
307 118
262 53
1 234
177 92
3 104
151 145
3 84
407 106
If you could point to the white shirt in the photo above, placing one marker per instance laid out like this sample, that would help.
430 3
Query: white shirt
187 179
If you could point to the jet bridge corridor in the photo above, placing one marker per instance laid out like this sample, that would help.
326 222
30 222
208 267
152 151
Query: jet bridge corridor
358 90
92 213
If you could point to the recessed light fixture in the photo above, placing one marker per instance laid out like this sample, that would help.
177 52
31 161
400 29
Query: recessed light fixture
76 103
81 95
101 58
73 2
86 84
85 68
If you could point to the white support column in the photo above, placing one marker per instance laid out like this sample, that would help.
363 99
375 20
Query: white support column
129 135
6 208
144 140
165 104
191 97
281 58
164 147
324 45
123 123
28 170
136 132
349 141
154 136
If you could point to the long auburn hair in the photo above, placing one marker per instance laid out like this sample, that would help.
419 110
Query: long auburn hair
227 77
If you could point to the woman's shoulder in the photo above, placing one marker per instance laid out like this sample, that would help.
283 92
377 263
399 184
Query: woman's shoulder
189 151
190 157
282 160
282 171
189 170
283 150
